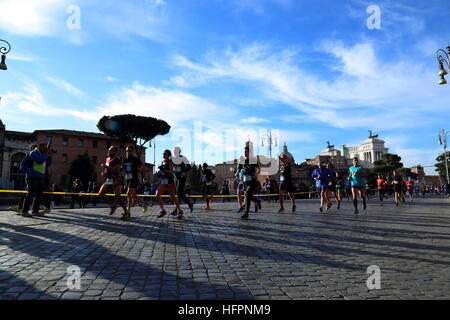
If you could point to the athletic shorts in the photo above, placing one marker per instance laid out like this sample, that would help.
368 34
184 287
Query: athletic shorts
339 190
240 186
322 188
332 187
286 186
205 189
132 183
398 188
411 192
169 186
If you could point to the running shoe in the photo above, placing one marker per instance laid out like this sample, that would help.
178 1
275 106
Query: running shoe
27 215
45 211
15 209
240 210
396 204
113 209
37 214
281 210
174 212
180 215
329 205
191 206
294 207
356 211
321 209
144 208
162 213
126 215
245 216
207 208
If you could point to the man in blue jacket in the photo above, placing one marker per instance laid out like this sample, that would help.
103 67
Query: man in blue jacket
323 177
37 161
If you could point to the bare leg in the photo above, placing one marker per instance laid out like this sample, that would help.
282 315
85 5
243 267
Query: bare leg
281 196
174 199
159 192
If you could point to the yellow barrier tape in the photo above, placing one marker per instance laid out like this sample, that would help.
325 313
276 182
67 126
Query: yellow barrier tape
147 195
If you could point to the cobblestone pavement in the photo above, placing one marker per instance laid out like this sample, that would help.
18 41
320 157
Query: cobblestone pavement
216 255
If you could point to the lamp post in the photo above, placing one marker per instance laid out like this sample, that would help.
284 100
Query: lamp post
443 140
4 51
271 140
154 154
443 56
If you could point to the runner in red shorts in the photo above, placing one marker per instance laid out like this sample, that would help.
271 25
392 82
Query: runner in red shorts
167 183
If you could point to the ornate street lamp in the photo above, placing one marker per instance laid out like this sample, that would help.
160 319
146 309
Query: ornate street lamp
443 141
442 57
4 51
271 141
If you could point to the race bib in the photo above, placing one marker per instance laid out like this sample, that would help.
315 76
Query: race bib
330 183
146 192
247 177
281 178
128 176
209 183
164 181
109 181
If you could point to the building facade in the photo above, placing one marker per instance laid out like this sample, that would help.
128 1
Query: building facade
369 151
69 146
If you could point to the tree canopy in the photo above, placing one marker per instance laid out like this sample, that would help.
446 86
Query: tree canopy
82 168
440 166
388 163
131 128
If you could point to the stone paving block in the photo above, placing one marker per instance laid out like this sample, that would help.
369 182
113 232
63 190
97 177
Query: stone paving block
303 256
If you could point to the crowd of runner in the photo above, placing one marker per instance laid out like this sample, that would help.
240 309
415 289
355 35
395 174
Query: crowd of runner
122 174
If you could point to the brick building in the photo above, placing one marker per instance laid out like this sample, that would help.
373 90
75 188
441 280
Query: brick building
69 145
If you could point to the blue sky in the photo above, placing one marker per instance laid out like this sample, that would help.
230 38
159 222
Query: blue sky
310 69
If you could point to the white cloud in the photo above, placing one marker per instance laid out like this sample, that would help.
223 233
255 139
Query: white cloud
32 101
363 91
111 79
254 120
66 86
172 105
146 18
21 57
31 17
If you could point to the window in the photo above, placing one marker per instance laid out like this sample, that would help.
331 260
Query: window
64 158
65 141
80 142
94 143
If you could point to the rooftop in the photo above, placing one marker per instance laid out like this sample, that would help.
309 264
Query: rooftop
64 132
